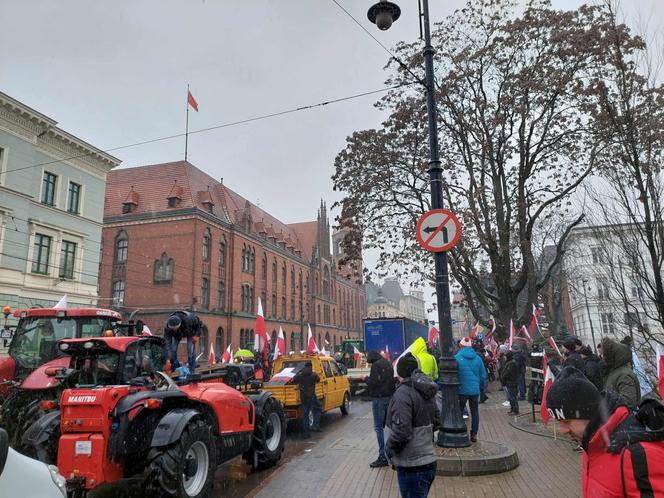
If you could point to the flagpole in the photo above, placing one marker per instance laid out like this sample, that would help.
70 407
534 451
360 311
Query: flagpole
186 132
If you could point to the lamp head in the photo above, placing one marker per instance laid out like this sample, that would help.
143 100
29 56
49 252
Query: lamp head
383 14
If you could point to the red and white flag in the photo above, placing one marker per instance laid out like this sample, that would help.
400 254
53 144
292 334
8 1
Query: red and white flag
280 346
228 355
211 358
492 327
387 352
261 339
510 339
192 101
548 380
434 336
409 349
311 342
660 370
553 344
524 332
473 331
533 321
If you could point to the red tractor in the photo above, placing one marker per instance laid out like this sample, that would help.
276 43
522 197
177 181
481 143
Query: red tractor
27 375
124 418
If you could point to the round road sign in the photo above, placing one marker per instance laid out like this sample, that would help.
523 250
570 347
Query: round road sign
438 230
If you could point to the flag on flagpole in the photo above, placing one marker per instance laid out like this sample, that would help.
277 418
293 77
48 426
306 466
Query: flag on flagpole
553 344
192 101
660 370
524 331
510 339
387 352
433 336
548 380
311 342
492 326
62 303
533 321
356 355
211 358
228 355
261 339
280 346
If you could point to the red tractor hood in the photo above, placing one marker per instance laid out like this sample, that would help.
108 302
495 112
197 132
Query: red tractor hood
38 378
7 373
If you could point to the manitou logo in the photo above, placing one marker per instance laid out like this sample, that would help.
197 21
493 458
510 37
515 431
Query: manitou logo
82 399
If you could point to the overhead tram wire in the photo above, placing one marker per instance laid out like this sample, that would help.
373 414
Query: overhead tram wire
389 52
221 126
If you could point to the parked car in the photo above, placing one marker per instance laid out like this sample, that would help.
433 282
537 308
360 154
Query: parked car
333 389
22 476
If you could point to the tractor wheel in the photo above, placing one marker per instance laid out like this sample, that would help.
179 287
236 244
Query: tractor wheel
345 406
267 443
186 468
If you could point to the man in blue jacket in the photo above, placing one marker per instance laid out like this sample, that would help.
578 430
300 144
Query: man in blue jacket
472 375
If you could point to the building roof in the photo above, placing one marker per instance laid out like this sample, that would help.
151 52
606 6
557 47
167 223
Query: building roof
154 184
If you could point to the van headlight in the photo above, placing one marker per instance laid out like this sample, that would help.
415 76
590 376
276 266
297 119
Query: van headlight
58 479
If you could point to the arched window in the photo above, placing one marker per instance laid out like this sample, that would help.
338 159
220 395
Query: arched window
118 293
292 308
222 251
203 340
274 273
252 261
318 343
264 267
205 293
283 308
283 278
245 258
221 296
219 343
327 340
243 305
293 346
163 269
273 340
326 282
207 245
121 247
292 280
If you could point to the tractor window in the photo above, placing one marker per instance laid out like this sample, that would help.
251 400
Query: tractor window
97 369
327 368
153 356
142 359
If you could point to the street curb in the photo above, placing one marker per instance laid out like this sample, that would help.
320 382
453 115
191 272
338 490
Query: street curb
482 458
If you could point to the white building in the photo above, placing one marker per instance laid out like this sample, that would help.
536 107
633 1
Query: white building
607 297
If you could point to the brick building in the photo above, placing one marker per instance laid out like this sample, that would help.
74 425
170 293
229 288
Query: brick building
175 238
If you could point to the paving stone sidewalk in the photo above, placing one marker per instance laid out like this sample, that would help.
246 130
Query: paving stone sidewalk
338 465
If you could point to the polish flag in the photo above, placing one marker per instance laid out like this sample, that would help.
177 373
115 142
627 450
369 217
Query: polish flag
533 321
228 354
356 354
553 344
387 352
524 331
261 339
510 339
433 336
311 342
548 380
211 358
280 346
660 370
192 101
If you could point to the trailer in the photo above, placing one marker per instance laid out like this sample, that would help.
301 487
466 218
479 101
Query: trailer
392 335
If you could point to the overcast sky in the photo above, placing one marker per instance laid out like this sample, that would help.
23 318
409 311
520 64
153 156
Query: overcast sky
114 73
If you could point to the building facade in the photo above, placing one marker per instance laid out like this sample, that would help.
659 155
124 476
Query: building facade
175 238
388 301
606 295
51 186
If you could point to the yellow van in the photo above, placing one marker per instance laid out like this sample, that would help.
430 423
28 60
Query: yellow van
333 390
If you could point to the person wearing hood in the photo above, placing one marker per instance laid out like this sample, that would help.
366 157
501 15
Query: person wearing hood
472 376
618 374
622 451
412 418
592 367
427 361
380 384
571 347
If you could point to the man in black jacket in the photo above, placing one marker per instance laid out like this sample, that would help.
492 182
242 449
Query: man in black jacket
592 367
182 325
520 359
571 347
412 418
307 379
509 376
380 384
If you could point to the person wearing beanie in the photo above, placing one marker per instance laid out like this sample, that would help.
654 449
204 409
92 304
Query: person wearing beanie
571 347
472 376
412 418
621 451
618 373
182 324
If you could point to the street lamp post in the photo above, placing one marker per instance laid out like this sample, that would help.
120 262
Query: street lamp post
590 320
453 432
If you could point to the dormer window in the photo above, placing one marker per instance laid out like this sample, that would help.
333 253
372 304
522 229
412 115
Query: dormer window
173 202
131 202
174 196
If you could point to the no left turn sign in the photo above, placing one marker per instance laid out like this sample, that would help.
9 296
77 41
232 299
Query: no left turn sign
438 230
